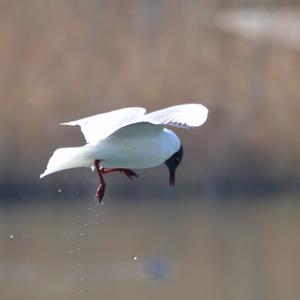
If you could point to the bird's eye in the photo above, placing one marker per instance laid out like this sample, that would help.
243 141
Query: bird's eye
177 160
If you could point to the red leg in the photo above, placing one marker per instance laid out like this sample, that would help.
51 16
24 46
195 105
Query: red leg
127 172
101 188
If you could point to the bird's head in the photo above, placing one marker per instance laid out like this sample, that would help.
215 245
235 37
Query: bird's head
172 163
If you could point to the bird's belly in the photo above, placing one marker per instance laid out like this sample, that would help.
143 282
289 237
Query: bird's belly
132 153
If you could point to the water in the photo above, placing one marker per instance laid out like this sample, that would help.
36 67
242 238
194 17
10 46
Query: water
192 249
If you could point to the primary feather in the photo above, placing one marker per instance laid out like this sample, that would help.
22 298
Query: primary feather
184 116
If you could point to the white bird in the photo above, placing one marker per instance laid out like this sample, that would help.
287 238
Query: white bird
127 139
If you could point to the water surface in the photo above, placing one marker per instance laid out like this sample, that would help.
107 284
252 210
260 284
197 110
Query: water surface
193 249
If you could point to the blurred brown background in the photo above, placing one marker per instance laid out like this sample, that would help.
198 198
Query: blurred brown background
229 229
62 60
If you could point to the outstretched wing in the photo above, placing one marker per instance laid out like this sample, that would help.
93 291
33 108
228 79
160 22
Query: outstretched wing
100 126
183 116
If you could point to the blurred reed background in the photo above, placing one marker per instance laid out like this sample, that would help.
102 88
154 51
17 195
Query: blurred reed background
229 230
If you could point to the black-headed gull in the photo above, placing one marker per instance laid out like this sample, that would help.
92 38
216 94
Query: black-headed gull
127 139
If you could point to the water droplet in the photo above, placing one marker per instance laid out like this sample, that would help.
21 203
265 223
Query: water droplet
70 252
135 258
86 225
81 233
11 236
59 190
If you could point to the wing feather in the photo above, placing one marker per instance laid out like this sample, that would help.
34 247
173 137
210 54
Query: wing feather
183 116
100 126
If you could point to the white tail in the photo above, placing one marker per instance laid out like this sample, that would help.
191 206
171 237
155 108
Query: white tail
71 157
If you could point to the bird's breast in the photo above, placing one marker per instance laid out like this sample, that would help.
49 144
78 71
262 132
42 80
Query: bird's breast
137 148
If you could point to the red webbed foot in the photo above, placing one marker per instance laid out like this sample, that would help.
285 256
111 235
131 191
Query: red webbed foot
101 188
129 173
100 192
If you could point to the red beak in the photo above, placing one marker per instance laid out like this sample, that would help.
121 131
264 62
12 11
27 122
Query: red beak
172 179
